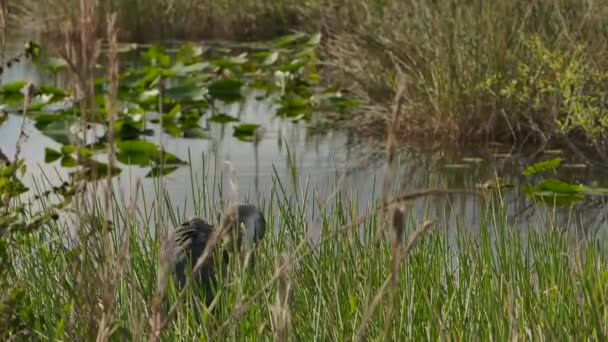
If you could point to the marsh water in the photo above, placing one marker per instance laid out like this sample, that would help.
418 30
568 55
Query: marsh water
316 165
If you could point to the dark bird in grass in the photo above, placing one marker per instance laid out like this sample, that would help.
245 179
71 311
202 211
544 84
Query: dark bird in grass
186 244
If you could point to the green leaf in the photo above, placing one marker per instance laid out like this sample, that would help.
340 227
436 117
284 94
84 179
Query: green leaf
230 62
227 90
189 92
223 118
156 55
553 191
194 132
543 166
172 128
67 149
271 58
126 130
189 53
180 69
51 155
149 96
157 171
245 132
68 161
290 39
11 186
137 152
13 87
173 112
54 64
140 152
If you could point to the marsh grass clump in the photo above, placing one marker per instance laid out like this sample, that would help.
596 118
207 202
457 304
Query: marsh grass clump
493 281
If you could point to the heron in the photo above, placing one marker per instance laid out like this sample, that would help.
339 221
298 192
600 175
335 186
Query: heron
185 245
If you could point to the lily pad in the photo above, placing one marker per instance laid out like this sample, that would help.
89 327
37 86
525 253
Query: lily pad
223 118
543 166
227 90
245 132
157 171
555 192
50 155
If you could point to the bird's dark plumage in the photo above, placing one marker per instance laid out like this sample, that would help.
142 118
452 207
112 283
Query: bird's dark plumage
186 244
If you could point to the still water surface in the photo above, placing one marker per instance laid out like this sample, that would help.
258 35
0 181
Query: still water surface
328 164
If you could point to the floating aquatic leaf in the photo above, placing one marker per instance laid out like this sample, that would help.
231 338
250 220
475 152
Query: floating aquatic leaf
67 149
188 92
181 69
189 53
271 58
294 66
58 131
141 152
227 90
543 166
126 130
173 112
172 128
68 161
157 171
223 118
245 132
194 132
51 90
149 96
290 39
138 152
555 192
13 87
230 62
293 106
54 64
51 155
156 55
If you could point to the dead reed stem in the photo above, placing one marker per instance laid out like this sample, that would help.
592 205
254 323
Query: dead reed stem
3 29
111 267
281 316
397 223
391 146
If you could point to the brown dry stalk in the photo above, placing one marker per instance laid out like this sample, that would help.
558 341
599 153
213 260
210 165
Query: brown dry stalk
397 242
112 267
401 254
391 145
281 316
3 26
